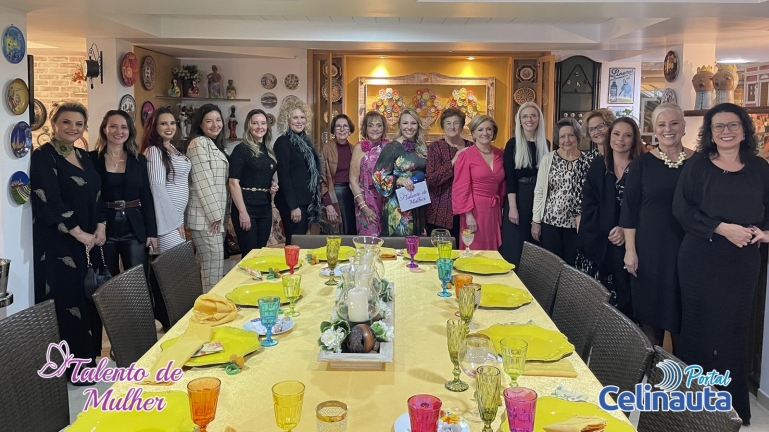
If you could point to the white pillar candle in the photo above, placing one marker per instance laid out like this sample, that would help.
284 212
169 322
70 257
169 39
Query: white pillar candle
357 305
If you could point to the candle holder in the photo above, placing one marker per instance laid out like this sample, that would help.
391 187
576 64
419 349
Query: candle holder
357 303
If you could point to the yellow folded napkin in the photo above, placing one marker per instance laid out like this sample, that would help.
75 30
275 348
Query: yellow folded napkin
561 368
578 424
213 309
180 352
387 253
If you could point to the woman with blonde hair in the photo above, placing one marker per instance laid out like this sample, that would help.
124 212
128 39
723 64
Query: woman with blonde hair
596 125
652 234
252 167
522 156
401 164
368 200
300 198
479 186
125 189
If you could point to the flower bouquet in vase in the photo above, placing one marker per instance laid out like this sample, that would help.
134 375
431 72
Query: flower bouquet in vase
465 101
390 104
428 107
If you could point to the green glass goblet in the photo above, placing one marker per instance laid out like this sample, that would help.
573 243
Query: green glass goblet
456 333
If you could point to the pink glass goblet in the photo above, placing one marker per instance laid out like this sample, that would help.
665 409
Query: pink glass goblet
412 247
424 411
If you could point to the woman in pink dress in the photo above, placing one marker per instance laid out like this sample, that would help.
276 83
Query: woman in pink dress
479 186
368 201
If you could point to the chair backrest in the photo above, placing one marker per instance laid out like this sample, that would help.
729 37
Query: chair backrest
684 421
176 271
620 352
27 401
126 311
578 301
400 242
539 271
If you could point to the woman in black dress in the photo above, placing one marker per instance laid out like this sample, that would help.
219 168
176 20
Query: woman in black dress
602 239
521 159
302 192
252 167
652 234
69 219
722 201
131 224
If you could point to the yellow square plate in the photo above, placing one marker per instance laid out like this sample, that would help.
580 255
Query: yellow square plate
483 265
428 254
552 410
174 417
234 341
544 344
267 262
321 252
504 296
249 294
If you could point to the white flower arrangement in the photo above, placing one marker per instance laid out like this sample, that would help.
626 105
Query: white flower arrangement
382 331
384 310
333 334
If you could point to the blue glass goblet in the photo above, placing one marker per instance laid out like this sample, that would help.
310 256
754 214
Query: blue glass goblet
444 274
268 311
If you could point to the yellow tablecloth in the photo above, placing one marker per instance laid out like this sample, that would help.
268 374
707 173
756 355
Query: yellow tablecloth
375 398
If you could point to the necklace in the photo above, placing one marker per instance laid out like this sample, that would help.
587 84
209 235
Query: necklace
482 151
114 162
673 165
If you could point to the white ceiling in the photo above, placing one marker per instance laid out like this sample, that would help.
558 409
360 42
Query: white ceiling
279 28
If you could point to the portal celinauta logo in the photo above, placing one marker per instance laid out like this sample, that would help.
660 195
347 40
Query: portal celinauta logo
670 395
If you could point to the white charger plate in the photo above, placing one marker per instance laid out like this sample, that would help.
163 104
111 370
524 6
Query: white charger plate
403 424
284 324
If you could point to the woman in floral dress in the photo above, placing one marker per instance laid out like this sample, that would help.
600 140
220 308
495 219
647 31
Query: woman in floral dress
368 200
401 164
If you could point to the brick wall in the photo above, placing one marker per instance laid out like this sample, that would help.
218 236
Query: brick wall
53 83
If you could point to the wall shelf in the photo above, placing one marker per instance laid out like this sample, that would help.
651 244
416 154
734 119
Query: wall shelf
186 99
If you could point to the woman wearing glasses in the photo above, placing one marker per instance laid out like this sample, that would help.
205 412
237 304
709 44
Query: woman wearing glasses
722 201
598 122
337 156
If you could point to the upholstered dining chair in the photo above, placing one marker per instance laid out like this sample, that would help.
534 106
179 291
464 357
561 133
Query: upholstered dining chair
684 421
178 278
539 271
27 401
577 305
126 310
620 352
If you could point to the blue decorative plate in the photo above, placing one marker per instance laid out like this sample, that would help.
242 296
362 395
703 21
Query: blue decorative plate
21 139
20 188
14 45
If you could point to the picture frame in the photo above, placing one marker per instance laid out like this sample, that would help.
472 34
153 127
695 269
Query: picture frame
750 92
621 86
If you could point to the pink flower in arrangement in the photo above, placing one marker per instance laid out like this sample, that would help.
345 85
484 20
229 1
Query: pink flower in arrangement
365 146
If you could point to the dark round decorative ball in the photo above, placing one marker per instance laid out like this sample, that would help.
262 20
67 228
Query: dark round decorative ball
361 339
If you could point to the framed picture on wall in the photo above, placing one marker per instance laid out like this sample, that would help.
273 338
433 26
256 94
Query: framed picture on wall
621 86
750 94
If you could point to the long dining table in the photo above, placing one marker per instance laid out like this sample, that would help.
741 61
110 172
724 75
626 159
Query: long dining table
376 398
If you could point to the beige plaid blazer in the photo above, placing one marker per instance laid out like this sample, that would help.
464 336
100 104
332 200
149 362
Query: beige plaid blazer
208 185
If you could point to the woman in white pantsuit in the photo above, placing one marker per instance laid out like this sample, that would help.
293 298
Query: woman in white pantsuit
207 210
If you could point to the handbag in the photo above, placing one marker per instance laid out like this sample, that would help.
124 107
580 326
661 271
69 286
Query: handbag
95 276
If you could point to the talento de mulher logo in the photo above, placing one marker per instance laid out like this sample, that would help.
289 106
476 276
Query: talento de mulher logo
668 396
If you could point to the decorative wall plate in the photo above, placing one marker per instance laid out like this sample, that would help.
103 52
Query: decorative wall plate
271 120
147 109
336 91
128 105
148 73
269 81
17 96
20 188
670 66
336 70
21 139
41 115
291 81
269 100
523 95
669 95
328 118
129 69
290 98
526 73
14 45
